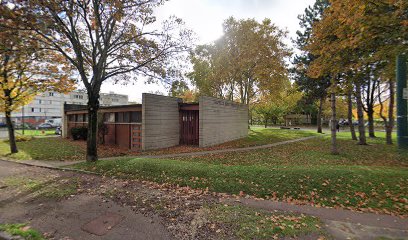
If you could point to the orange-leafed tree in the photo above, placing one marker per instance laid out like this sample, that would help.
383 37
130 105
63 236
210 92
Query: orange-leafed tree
25 70
358 39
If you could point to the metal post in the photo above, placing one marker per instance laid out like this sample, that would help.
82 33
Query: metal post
402 97
22 120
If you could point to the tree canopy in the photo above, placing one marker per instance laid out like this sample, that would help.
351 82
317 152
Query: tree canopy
105 40
249 59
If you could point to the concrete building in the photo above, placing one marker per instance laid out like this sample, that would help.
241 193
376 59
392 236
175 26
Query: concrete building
162 121
50 105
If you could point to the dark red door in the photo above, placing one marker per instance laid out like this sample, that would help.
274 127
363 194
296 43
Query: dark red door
189 127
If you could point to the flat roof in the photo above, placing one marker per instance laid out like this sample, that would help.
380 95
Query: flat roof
79 108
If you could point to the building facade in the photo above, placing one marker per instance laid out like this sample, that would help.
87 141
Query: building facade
162 122
50 105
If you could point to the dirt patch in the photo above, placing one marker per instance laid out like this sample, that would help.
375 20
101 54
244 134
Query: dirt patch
150 211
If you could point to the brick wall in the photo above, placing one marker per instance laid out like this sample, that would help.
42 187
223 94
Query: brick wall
221 121
160 121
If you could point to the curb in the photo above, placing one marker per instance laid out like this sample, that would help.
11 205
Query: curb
53 167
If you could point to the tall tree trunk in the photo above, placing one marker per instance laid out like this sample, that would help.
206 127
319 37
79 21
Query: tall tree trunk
10 127
390 125
350 115
319 115
266 122
91 148
334 149
370 115
360 115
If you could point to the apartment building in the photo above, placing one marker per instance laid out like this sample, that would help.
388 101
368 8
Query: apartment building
50 105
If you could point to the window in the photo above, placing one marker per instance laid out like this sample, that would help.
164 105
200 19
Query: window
126 117
135 117
115 100
39 101
109 117
50 94
71 118
119 117
80 118
76 96
32 110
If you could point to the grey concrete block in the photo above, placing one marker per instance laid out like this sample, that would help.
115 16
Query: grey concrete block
221 121
160 121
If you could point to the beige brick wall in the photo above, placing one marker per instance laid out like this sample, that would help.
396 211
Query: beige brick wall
160 121
221 121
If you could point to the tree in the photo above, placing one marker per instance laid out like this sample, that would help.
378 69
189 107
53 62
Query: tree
178 88
181 90
361 36
106 40
25 70
350 113
314 88
275 107
247 60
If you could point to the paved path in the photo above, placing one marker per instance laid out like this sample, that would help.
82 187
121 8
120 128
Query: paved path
192 154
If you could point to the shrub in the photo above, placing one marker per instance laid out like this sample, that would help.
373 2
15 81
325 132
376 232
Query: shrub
79 133
22 138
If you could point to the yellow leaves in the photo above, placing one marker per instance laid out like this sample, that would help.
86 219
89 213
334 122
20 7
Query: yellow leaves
355 31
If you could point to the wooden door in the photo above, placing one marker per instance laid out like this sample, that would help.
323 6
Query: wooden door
189 125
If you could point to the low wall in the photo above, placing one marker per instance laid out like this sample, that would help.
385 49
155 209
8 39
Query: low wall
221 121
160 121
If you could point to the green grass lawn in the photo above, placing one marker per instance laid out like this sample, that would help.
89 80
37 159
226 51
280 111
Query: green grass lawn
34 132
261 136
315 152
372 178
22 230
62 149
249 223
44 149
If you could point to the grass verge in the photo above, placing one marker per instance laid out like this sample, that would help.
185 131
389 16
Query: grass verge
356 187
49 188
314 152
35 132
44 149
262 136
21 230
248 223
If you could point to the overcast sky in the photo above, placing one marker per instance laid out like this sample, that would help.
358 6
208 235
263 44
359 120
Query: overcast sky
205 18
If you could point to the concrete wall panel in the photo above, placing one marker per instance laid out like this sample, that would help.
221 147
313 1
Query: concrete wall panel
221 121
160 121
